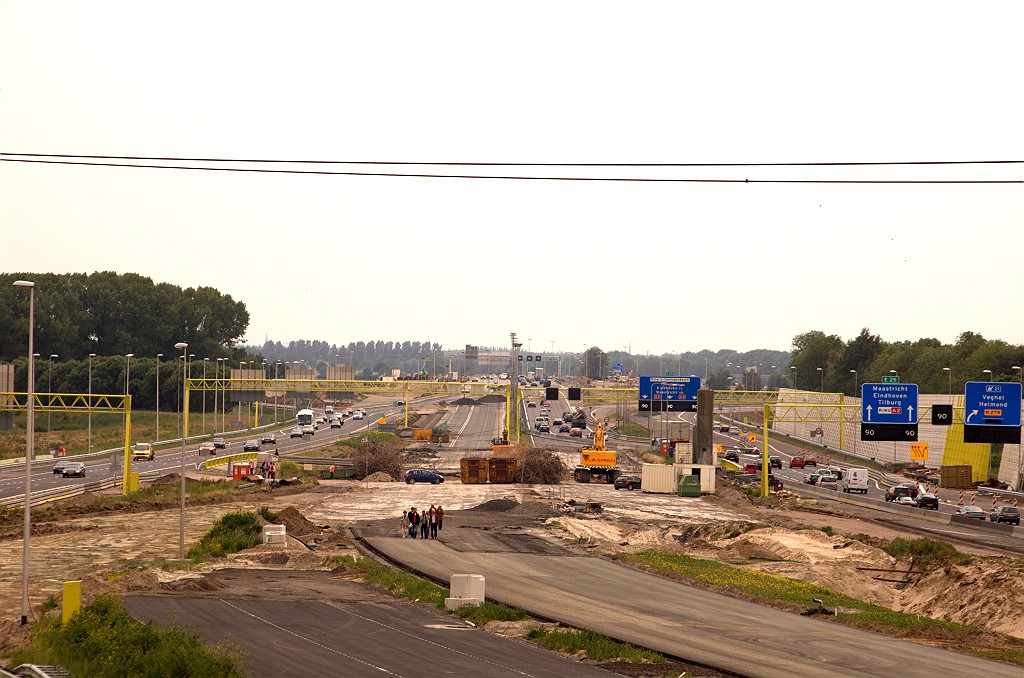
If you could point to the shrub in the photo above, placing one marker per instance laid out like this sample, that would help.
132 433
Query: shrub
102 640
234 532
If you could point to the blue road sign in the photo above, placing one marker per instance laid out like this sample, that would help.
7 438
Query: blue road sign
992 403
617 367
669 388
888 404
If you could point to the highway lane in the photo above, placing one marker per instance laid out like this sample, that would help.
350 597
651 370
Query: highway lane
682 621
344 629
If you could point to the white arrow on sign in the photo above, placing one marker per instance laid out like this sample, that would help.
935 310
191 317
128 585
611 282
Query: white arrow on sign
868 408
968 420
910 411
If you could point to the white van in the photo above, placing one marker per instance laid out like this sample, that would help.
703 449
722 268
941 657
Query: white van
855 480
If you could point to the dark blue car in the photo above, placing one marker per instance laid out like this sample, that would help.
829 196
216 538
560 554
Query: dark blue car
422 475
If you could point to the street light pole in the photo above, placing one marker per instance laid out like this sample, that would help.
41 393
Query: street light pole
30 429
949 372
822 370
989 373
184 404
158 356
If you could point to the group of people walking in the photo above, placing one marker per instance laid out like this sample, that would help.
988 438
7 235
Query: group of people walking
426 522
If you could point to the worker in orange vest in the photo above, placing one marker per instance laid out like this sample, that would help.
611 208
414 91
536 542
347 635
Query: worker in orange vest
332 471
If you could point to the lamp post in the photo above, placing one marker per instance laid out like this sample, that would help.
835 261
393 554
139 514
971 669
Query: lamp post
1019 373
184 433
49 391
989 373
949 372
241 366
822 370
158 356
792 367
91 356
856 383
30 429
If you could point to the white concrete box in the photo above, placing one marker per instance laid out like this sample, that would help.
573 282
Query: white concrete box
274 534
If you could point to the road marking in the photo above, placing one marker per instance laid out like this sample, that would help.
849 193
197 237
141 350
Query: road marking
310 640
424 640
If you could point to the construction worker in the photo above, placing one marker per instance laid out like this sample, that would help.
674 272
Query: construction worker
332 471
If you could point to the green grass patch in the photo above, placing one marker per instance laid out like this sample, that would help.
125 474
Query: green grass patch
595 646
925 553
103 641
372 436
490 611
267 514
631 428
829 530
235 531
773 588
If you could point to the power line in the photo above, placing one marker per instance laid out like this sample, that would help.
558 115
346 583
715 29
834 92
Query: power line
519 178
521 164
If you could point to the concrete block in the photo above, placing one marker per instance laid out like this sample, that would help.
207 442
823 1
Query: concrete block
274 534
453 603
467 586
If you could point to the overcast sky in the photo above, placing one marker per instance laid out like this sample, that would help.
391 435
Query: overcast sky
657 267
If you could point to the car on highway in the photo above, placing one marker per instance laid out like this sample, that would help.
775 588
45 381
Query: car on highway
359 414
576 432
295 432
834 470
775 462
906 500
971 512
812 478
797 462
399 403
830 482
902 490
734 430
268 438
733 456
59 466
308 429
927 500
143 451
220 443
544 428
251 446
1005 514
531 404
556 422
207 448
422 475
564 428
74 468
336 423
628 481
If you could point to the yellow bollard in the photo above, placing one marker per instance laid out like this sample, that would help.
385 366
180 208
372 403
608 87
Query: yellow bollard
133 482
72 600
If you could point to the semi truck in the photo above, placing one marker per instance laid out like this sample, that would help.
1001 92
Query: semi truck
596 460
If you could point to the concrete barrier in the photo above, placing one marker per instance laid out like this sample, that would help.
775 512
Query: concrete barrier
467 589
274 534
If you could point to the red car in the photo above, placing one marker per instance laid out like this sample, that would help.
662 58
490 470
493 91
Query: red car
797 462
577 432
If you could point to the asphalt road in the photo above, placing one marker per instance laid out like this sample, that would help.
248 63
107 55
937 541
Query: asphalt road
696 625
353 638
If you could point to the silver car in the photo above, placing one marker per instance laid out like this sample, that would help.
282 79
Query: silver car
830 482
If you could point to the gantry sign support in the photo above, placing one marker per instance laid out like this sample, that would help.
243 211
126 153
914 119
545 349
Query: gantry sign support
79 402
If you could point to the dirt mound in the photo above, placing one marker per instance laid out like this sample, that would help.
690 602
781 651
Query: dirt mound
379 477
493 398
193 584
986 593
294 522
167 479
536 509
463 401
497 505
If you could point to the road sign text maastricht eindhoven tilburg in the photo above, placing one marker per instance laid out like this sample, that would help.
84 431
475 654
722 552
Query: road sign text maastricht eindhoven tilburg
668 394
888 412
992 412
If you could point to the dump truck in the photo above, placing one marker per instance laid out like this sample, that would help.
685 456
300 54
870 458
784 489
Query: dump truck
596 460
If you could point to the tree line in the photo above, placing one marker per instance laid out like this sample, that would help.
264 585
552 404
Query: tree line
935 367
